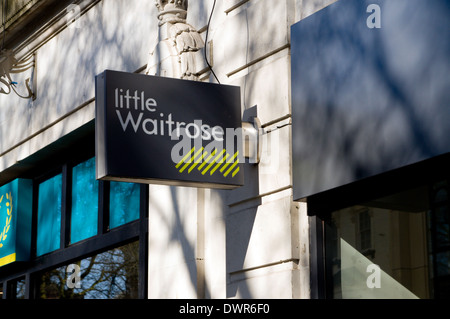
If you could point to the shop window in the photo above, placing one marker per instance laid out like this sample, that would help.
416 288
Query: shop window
84 213
392 258
392 247
49 215
99 226
123 203
365 230
109 275
19 287
440 237
16 289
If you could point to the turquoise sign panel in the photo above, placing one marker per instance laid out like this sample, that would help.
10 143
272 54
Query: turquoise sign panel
15 221
49 215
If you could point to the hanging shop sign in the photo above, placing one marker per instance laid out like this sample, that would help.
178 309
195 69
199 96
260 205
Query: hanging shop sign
370 90
15 221
152 129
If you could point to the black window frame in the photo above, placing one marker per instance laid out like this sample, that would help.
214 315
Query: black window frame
59 158
320 207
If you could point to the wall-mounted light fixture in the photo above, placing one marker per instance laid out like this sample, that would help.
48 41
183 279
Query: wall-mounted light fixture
252 144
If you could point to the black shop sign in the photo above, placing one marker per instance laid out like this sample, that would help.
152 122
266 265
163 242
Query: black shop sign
159 130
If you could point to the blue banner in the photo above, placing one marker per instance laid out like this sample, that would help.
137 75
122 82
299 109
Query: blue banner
15 221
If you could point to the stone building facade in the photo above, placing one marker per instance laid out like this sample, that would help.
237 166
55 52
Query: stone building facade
250 242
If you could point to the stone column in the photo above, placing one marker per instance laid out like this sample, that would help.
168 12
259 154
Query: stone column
179 51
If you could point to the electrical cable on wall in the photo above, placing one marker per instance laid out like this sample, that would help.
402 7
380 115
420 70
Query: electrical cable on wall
4 14
206 41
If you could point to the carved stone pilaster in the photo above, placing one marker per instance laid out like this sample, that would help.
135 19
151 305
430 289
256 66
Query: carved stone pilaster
172 11
179 51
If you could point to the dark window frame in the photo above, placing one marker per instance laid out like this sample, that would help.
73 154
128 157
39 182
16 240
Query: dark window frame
105 239
320 206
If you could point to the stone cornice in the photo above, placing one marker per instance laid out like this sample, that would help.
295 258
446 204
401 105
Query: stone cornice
41 21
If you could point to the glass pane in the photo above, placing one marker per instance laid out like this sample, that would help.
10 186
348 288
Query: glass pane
49 216
365 230
397 263
123 203
20 288
441 195
109 275
84 218
443 264
442 226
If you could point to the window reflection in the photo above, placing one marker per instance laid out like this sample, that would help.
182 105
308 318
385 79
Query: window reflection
440 238
123 203
405 234
49 215
109 275
84 201
19 287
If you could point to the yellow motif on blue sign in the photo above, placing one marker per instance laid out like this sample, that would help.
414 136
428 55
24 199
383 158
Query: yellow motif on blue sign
6 206
7 225
15 221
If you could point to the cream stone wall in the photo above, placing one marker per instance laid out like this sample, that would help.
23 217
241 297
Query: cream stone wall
251 242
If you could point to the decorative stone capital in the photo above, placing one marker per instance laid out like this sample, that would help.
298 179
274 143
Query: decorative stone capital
179 52
172 11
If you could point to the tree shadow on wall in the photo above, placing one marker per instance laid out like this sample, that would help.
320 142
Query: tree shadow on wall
369 100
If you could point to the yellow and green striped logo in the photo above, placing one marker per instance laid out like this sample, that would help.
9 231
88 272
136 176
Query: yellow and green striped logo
214 163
